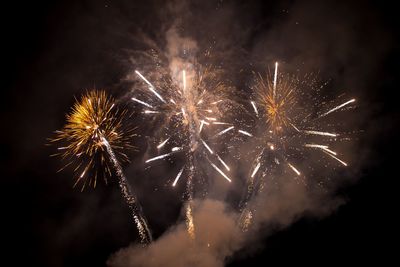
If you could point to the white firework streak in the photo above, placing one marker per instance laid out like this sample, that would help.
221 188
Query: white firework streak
142 102
223 163
221 172
245 133
294 169
341 161
338 107
255 170
162 143
323 147
206 146
178 176
320 133
225 130
151 87
254 107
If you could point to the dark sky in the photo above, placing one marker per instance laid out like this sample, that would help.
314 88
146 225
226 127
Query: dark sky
54 51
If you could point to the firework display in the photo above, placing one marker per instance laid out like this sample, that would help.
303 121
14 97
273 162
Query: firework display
189 105
292 128
95 140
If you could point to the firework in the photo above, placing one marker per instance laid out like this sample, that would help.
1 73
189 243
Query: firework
291 129
96 140
189 105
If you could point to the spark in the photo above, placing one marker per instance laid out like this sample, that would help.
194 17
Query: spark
326 148
275 78
177 177
254 107
245 133
320 133
206 146
162 143
159 157
151 87
221 172
338 107
220 123
184 80
202 122
272 147
341 161
142 102
223 163
255 169
150 112
211 119
294 169
225 130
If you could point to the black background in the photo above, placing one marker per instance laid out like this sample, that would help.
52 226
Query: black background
43 44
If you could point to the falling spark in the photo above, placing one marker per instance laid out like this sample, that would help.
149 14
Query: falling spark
254 107
338 107
341 161
184 80
320 133
326 148
221 172
294 169
159 157
177 177
206 146
162 143
150 112
151 87
225 130
223 163
275 78
255 170
245 133
142 102
220 123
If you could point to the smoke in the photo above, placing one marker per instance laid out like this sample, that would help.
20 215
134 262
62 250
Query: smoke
217 238
218 235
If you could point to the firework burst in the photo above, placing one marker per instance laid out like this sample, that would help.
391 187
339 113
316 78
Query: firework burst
95 138
292 117
189 103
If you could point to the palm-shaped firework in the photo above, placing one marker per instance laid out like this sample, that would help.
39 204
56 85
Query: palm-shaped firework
96 138
290 113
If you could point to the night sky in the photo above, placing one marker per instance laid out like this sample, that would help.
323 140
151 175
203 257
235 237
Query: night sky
53 52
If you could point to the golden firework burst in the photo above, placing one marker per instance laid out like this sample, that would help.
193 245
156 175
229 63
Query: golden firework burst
277 99
93 119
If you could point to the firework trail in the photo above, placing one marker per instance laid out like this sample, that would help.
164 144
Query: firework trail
291 130
96 137
188 104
